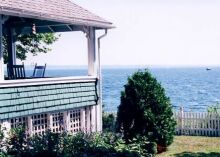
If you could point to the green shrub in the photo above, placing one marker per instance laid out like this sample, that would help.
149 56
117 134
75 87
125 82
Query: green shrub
145 110
108 122
48 144
17 143
80 145
2 151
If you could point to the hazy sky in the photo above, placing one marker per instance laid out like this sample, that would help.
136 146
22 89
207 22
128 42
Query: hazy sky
148 32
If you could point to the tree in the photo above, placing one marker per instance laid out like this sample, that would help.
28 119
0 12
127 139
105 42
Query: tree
31 43
145 110
214 108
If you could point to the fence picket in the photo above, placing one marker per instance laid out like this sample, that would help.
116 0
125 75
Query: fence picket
197 123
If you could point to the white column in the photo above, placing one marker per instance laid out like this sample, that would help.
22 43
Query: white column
93 118
13 45
1 50
82 120
92 65
50 121
98 117
66 121
30 125
88 120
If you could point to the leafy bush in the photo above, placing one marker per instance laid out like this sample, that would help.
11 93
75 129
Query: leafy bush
81 145
17 143
145 110
48 144
2 145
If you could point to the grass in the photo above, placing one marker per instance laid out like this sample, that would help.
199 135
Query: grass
193 146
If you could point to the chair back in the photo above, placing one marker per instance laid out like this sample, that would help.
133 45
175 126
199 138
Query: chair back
16 71
39 71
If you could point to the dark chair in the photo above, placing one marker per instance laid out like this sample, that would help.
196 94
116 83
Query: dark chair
16 71
39 71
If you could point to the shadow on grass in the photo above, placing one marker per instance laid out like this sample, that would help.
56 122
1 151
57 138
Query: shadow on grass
198 154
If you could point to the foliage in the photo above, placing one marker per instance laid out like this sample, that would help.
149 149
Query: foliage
81 145
47 144
214 108
31 43
2 152
108 122
17 142
145 110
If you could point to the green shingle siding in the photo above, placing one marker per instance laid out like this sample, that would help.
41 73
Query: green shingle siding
22 101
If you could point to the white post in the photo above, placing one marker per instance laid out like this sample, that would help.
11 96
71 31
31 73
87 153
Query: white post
1 50
92 65
99 116
88 120
50 121
66 121
181 120
82 120
30 125
93 119
13 45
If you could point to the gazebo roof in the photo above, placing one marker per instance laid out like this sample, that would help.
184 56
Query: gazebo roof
63 11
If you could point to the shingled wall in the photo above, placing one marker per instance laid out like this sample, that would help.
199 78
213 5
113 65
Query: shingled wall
28 100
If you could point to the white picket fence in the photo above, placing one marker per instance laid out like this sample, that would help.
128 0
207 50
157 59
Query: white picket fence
197 123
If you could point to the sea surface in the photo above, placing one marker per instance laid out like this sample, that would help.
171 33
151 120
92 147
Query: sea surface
193 88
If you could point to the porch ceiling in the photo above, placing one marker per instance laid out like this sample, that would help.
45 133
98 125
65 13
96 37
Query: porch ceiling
23 25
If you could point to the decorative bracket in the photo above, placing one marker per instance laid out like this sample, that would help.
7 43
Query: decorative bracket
86 31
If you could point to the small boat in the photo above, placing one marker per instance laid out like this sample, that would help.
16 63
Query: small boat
208 69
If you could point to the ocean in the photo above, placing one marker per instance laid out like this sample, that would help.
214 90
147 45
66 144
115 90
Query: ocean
193 88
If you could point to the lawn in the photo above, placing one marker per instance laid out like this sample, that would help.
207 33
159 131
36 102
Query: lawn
193 146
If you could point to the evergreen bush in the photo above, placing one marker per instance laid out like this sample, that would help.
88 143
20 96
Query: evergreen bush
145 110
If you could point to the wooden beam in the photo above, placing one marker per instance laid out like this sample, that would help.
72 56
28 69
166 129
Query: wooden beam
28 23
51 29
69 27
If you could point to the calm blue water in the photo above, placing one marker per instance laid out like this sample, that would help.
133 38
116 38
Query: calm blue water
193 88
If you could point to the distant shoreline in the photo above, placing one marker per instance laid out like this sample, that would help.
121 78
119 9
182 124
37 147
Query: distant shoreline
57 67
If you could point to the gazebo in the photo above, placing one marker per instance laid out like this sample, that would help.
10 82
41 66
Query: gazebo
69 104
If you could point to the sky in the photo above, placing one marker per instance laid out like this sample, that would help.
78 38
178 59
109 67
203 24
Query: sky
148 32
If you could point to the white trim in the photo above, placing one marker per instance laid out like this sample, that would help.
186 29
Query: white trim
45 81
